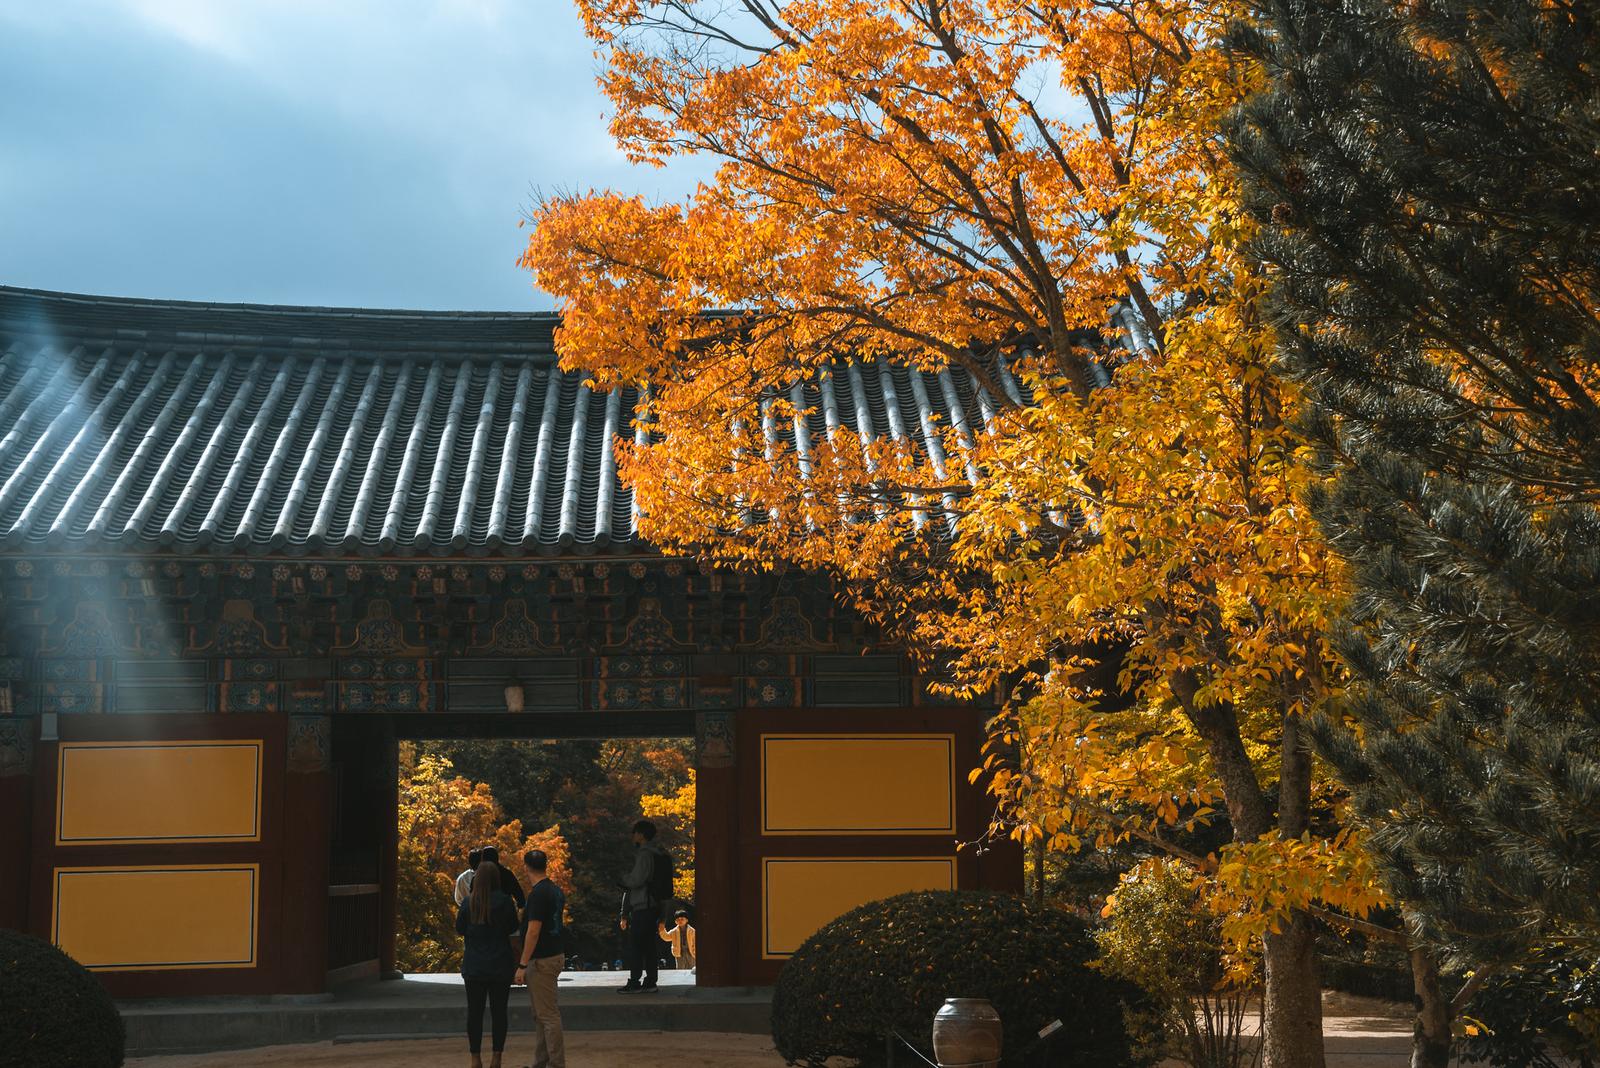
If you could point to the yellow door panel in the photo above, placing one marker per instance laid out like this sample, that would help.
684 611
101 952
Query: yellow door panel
801 894
141 918
858 784
137 792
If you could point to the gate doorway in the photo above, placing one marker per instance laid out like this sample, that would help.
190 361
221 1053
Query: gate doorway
569 784
575 799
797 817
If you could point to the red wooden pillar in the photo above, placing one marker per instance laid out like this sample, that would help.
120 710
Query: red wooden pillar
997 863
716 832
42 832
306 833
388 855
16 823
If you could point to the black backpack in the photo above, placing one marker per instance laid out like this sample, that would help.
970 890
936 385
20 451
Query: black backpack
556 921
661 878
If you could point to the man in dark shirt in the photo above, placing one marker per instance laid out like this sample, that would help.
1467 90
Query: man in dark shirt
542 960
508 882
644 909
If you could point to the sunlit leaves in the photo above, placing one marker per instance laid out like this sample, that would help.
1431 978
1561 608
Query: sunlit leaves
677 810
949 184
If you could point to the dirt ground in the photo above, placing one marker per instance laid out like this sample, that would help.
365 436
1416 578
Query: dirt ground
1353 1042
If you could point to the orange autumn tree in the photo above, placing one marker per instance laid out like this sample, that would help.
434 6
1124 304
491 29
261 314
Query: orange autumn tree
443 817
676 811
1007 190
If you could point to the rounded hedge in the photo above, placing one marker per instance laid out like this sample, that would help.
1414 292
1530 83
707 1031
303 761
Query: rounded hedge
52 1011
891 964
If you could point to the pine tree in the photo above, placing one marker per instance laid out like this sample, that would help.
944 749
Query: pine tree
1426 177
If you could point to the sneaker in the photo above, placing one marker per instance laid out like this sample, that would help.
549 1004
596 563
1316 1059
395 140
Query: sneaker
649 988
632 988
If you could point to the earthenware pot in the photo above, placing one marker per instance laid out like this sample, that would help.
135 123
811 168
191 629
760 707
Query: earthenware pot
966 1031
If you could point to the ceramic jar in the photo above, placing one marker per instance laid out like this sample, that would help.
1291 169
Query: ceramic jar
966 1031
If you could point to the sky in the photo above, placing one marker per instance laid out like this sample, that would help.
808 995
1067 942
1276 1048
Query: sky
367 153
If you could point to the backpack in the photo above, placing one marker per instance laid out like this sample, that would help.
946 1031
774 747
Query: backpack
661 878
561 907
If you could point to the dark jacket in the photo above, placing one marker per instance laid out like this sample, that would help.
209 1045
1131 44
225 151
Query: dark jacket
510 886
488 954
637 881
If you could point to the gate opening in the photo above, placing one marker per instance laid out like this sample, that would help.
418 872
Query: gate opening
577 800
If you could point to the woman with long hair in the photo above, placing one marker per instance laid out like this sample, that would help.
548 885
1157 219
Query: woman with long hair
487 921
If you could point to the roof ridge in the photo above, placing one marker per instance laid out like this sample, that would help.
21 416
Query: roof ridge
194 326
257 307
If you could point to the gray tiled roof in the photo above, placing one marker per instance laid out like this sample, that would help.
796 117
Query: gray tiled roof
254 428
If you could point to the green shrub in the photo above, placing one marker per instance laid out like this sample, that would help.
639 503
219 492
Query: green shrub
1542 1014
1163 937
891 964
52 1011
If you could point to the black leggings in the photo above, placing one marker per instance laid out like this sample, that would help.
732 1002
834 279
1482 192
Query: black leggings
495 993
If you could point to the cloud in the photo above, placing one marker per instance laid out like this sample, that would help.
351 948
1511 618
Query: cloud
210 27
357 153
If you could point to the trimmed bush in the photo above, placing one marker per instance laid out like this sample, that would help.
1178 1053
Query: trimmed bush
53 1013
891 964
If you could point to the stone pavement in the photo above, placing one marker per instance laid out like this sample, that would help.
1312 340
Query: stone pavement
613 1049
419 1021
426 1006
1352 1042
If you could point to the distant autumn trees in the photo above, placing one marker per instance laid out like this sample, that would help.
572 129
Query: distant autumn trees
457 796
443 817
673 815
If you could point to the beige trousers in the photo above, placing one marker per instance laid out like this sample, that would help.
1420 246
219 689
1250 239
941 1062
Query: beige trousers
549 1046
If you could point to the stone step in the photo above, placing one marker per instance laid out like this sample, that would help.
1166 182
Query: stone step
390 1010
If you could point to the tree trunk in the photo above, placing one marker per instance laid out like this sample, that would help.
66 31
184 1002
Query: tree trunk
1038 871
1291 1003
1430 1039
1218 726
1291 1009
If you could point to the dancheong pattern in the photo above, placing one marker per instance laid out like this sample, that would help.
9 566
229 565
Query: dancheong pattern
237 508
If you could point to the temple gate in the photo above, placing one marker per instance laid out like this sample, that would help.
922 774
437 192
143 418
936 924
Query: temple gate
246 550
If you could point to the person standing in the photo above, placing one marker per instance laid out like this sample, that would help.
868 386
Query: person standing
509 885
680 936
542 960
649 887
487 922
464 880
